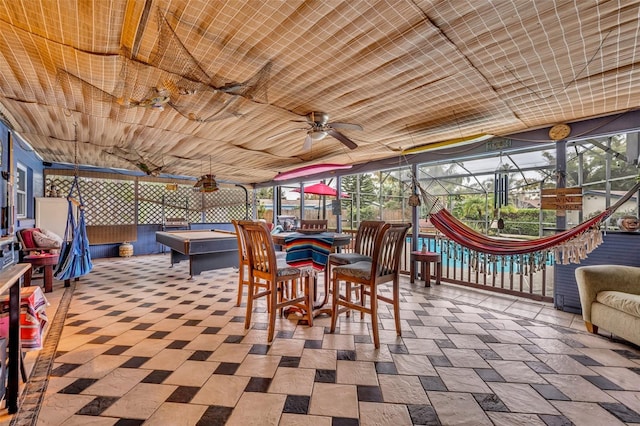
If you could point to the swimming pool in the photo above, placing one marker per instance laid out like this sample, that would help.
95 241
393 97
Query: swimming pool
455 255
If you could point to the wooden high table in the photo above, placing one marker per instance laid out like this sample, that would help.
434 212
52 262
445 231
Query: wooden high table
339 240
10 279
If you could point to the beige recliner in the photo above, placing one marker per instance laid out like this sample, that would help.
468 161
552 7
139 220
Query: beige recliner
610 299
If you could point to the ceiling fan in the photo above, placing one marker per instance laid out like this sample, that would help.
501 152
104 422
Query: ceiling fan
146 165
321 127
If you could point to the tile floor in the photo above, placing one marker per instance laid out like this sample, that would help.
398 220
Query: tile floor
135 342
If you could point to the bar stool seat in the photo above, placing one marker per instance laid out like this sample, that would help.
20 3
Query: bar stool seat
425 259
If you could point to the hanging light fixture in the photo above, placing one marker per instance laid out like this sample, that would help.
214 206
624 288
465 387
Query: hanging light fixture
207 183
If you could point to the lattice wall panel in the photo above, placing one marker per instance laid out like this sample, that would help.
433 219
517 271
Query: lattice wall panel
111 200
157 203
224 205
107 201
149 197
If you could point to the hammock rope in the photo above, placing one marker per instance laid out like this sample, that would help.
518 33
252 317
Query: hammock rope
75 258
570 246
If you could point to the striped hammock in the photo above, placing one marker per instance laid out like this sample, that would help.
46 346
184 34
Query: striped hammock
570 246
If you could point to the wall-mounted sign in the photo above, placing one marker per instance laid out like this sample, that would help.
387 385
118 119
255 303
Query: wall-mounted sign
561 199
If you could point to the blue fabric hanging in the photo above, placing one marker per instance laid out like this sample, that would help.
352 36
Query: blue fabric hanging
75 258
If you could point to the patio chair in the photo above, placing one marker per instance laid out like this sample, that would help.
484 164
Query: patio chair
316 224
280 280
243 262
362 250
366 276
29 239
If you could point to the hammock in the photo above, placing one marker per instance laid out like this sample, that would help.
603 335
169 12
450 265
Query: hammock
75 259
569 246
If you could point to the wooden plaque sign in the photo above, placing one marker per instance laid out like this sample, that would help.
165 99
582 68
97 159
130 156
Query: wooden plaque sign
561 199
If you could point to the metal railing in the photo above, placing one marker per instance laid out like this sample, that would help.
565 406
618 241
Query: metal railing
519 275
516 275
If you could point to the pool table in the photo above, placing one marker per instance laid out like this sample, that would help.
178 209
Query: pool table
205 250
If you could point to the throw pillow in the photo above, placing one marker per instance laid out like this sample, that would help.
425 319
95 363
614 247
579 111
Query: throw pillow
42 240
53 236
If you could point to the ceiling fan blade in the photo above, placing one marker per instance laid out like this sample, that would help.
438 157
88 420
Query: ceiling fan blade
342 138
346 126
284 133
307 143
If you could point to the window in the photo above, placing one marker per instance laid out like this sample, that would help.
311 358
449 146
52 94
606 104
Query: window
21 191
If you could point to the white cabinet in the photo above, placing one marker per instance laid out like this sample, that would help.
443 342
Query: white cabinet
51 214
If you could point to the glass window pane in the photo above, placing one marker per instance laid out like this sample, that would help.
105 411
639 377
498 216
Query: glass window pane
21 205
21 180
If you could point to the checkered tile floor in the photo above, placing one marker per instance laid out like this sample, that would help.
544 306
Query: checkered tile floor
141 344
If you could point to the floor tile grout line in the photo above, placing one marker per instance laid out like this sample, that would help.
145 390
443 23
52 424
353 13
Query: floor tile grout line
111 296
36 386
450 299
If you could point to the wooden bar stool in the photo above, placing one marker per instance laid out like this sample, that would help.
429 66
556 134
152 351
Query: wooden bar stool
425 259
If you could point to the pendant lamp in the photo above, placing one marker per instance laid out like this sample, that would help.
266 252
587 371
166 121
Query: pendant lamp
207 183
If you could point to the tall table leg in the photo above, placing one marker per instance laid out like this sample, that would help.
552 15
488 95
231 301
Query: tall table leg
48 278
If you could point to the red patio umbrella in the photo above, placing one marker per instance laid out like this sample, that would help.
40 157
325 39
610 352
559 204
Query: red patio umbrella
321 189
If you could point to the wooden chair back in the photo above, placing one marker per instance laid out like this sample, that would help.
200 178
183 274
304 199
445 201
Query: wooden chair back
243 261
366 236
314 224
388 250
242 247
261 251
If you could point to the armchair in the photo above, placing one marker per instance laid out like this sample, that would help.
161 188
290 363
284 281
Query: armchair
610 298
37 240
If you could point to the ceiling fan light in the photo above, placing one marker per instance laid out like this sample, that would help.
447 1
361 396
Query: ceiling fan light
316 135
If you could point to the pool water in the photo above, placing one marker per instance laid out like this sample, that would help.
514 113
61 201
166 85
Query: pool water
461 258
